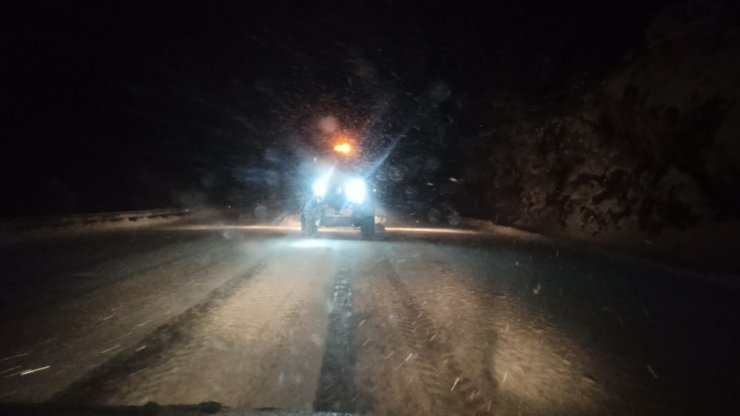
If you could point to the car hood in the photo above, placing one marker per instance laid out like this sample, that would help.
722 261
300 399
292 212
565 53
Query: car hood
149 409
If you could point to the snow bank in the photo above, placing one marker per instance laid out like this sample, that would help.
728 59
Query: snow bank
30 228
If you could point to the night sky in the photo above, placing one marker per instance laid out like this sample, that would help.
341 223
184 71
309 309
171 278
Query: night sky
134 105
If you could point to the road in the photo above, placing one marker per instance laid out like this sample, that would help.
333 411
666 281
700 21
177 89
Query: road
415 322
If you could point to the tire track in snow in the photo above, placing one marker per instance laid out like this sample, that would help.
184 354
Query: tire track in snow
336 391
440 374
103 275
102 383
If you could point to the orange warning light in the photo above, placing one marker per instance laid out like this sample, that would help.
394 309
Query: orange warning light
343 148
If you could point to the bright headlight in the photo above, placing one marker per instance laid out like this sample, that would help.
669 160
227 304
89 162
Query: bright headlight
355 190
320 186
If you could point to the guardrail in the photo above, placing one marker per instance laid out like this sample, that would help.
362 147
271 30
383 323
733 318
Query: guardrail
60 221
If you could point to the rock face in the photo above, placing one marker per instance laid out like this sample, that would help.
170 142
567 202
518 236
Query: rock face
653 148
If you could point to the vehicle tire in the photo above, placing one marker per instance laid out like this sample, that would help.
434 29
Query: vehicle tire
308 227
367 227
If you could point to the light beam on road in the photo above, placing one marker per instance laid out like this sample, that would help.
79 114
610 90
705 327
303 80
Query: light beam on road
293 228
311 243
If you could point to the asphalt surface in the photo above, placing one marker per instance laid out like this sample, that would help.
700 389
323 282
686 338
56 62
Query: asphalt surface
415 322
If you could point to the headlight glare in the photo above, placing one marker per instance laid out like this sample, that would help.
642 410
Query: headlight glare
355 190
320 186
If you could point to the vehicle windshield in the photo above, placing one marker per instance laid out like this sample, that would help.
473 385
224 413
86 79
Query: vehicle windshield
377 208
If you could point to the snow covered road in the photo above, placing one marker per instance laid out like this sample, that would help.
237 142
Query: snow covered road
412 323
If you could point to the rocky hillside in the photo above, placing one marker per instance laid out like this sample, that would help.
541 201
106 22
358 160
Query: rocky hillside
651 152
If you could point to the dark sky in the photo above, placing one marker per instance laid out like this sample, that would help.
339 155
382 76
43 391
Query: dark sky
125 105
